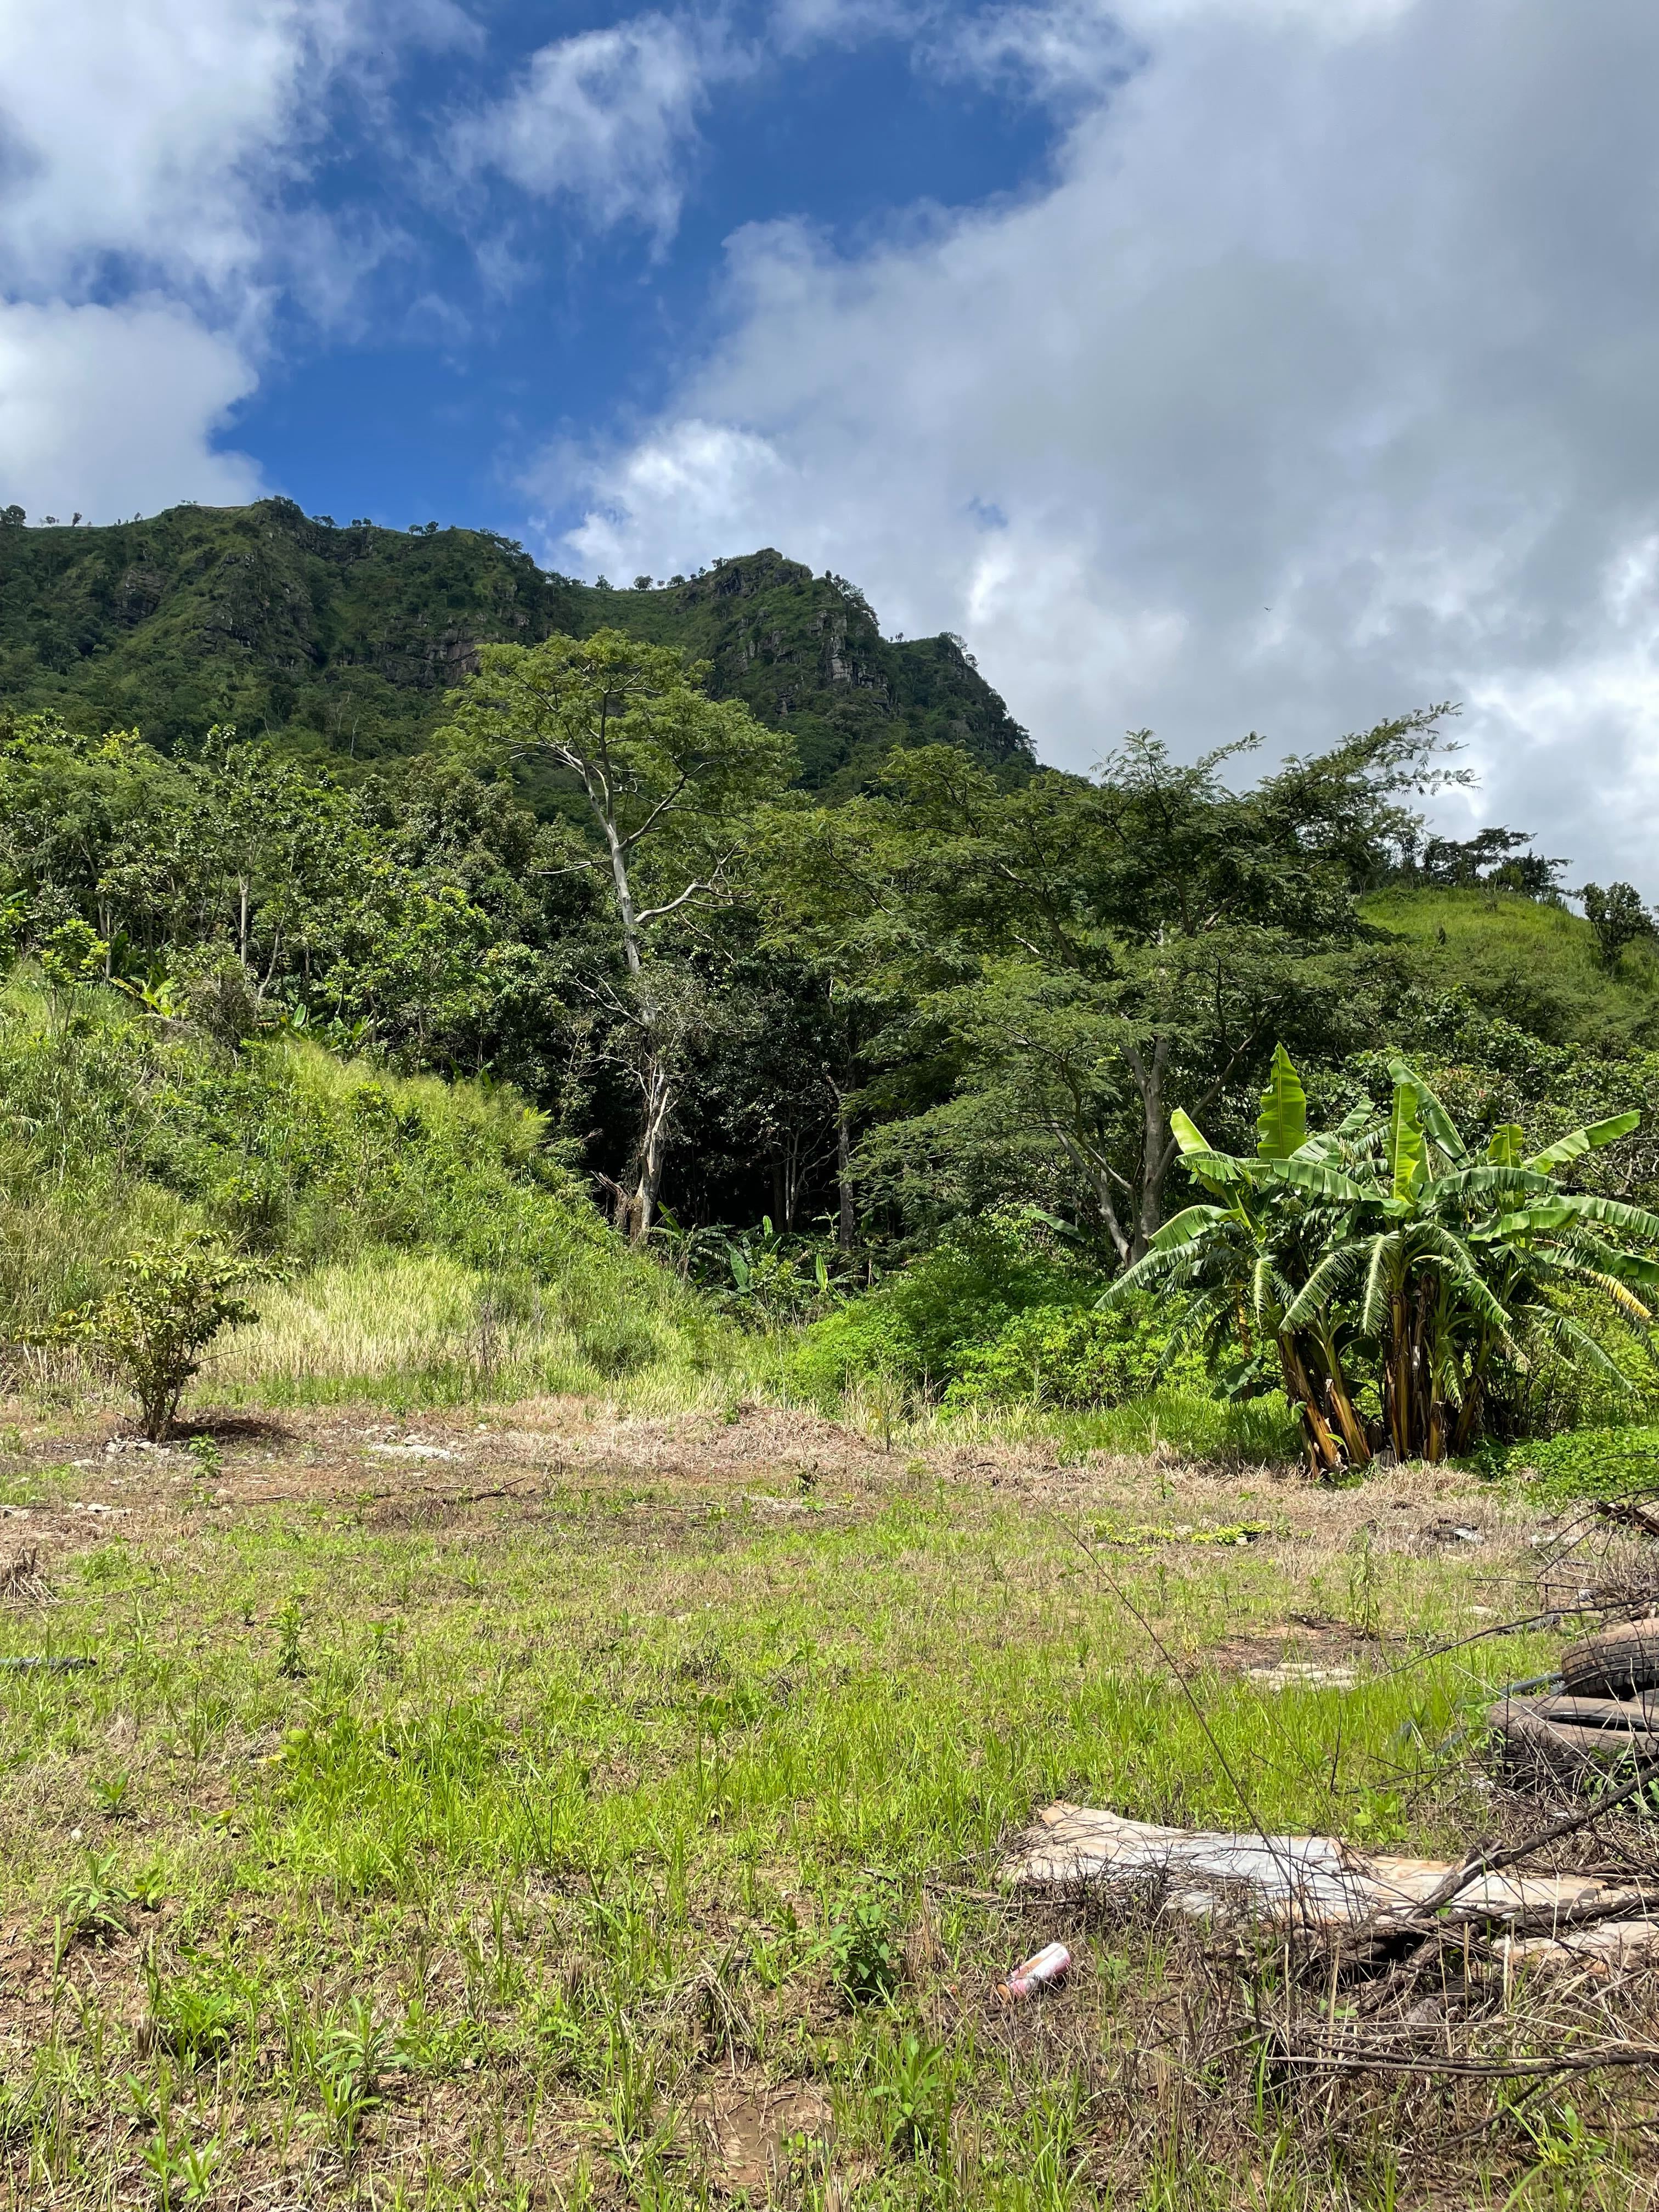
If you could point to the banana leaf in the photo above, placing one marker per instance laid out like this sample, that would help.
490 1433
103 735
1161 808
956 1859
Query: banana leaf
1589 1139
1281 1126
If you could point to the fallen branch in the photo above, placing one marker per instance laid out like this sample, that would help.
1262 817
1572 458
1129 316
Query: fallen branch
1386 2059
1480 1863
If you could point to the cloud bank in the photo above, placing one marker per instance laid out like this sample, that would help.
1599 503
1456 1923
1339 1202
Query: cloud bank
147 154
1316 382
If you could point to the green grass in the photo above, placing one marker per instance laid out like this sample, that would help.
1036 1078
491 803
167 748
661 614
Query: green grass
1530 962
398 1852
422 1238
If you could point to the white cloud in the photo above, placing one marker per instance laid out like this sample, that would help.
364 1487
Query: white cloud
1318 383
606 119
147 151
155 131
702 484
67 442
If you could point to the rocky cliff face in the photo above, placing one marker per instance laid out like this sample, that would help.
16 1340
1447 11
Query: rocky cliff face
345 639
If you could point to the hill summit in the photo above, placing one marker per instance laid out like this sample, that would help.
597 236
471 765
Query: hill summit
342 640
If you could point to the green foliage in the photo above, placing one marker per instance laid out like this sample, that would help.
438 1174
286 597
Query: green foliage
197 2020
865 1951
1062 1356
1530 969
94 1902
1590 1462
914 2080
124 1132
1617 917
764 1276
924 1321
670 777
343 639
165 1306
1389 1249
1281 1126
1058 961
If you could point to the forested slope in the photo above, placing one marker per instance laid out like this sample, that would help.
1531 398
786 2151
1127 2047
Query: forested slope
343 639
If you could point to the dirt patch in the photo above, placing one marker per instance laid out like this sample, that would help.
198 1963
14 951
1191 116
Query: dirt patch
750 2136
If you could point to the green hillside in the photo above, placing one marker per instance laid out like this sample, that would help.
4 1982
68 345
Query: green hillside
414 1237
1529 960
344 640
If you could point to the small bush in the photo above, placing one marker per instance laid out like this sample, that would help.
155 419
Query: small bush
865 1953
1056 1356
1587 1463
923 1324
166 1305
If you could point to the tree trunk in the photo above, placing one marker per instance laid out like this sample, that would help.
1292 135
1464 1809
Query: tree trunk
639 1208
1324 1453
846 1222
1157 1147
1396 1380
1347 1414
1467 1427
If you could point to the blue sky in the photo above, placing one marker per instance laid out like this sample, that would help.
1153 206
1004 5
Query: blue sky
435 413
1209 365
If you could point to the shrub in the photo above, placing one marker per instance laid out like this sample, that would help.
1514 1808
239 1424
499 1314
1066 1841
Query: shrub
166 1305
1588 1463
865 1951
922 1324
1058 1356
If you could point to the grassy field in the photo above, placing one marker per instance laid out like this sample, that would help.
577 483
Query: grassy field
1533 963
557 1804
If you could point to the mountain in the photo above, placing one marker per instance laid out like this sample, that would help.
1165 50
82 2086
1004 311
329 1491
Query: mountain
342 640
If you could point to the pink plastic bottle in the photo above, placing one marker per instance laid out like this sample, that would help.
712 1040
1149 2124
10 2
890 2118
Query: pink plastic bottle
1048 1965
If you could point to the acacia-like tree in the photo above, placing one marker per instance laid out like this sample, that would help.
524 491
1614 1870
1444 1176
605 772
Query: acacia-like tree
669 777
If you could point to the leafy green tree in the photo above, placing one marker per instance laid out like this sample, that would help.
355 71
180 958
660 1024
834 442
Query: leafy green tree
669 777
1617 917
1061 958
1388 1248
167 1304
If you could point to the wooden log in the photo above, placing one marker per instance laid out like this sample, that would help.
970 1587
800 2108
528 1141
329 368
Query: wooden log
1616 1664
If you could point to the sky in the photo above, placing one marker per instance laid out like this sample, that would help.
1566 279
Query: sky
1210 366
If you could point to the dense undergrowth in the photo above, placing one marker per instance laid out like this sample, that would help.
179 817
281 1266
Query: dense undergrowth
419 1242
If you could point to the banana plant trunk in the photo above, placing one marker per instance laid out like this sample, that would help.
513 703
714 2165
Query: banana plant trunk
1420 1423
1324 1452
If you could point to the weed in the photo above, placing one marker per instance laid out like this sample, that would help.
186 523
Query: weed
355 2049
113 1794
195 2021
912 2080
94 1903
1364 1610
182 2172
864 1952
290 1627
205 1452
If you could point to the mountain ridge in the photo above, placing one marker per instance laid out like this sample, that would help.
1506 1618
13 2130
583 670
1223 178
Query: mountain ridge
340 640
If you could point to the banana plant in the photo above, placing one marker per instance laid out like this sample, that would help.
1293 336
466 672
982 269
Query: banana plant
1387 1247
